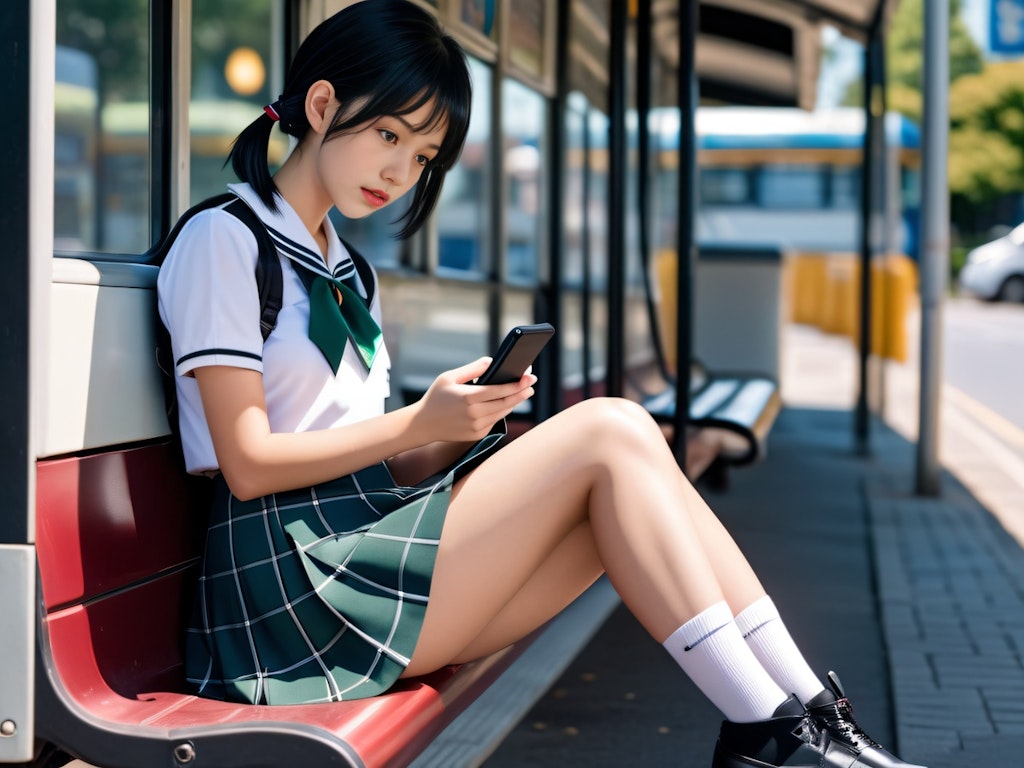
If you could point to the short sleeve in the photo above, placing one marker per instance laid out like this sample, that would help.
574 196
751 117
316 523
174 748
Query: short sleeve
208 295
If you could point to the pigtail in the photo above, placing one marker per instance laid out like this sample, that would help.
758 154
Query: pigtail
249 158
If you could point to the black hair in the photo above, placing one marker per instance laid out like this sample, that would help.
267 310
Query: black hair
383 57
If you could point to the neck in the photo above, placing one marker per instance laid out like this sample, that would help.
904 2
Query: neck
297 182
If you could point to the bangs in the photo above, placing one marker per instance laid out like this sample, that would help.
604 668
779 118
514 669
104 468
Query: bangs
441 83
448 110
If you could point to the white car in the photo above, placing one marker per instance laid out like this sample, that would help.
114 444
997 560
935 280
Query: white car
995 270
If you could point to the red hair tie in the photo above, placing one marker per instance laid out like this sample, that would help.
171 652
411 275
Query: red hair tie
271 112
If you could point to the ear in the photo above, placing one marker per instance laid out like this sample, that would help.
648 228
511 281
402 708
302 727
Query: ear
319 99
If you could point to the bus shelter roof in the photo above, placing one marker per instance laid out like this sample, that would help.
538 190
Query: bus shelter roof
763 52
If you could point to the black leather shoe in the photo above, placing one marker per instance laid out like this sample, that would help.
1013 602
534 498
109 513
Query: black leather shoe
789 738
793 738
833 715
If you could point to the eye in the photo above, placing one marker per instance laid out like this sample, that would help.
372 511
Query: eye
423 160
389 136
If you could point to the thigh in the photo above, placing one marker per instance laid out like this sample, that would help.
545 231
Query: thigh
506 519
571 567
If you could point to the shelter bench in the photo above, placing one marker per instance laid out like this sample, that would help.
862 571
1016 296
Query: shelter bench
119 535
735 412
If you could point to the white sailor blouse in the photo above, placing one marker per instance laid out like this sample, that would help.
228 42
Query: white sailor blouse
208 300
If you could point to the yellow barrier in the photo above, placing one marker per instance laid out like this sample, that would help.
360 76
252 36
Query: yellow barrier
808 281
823 290
666 270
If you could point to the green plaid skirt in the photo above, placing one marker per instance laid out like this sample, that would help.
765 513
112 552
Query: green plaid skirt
317 594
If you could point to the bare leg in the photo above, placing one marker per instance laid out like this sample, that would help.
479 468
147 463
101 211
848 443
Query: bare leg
593 488
596 487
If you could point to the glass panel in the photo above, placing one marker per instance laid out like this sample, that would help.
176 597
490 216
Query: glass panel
432 326
463 212
575 180
101 111
598 125
526 35
845 187
664 196
479 15
525 114
588 49
724 186
374 236
236 66
791 186
597 330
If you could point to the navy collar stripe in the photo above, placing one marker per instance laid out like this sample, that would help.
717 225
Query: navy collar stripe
302 257
287 241
344 270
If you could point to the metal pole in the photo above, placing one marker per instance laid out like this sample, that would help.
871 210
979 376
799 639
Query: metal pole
934 255
550 398
16 461
869 170
686 240
616 198
872 231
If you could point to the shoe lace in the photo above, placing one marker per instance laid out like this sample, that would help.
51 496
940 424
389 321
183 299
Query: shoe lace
838 719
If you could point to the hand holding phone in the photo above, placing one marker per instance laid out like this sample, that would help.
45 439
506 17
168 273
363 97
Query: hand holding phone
517 353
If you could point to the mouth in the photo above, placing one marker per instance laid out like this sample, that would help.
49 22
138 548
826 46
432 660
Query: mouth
375 197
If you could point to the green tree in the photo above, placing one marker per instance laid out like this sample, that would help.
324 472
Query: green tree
904 58
986 142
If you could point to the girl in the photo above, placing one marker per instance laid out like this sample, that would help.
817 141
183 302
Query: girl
332 568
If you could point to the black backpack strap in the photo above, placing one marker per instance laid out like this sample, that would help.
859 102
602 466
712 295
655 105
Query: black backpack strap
364 269
159 254
269 283
164 356
269 280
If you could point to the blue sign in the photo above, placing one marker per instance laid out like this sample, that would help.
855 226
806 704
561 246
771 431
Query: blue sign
1006 26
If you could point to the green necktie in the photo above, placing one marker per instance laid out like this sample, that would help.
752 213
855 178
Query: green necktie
336 314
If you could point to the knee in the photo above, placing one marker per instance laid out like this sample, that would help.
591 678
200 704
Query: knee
621 425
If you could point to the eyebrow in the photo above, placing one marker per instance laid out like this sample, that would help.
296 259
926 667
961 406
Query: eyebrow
413 128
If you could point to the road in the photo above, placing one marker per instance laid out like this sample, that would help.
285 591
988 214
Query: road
984 355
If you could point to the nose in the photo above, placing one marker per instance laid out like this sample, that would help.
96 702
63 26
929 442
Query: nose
397 170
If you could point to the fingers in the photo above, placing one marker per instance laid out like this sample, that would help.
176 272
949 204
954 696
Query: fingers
466 373
456 409
469 372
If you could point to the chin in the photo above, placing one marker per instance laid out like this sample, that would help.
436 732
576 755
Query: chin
357 211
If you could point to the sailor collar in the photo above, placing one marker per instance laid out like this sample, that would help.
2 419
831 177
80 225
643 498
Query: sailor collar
295 242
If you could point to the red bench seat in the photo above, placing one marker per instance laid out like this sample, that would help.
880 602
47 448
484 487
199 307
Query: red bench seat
118 541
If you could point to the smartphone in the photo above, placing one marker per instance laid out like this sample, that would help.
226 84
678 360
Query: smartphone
517 353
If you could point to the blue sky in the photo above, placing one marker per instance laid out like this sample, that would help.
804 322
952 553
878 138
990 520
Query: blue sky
975 16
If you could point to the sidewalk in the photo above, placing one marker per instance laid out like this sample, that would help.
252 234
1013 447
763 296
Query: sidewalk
917 603
950 574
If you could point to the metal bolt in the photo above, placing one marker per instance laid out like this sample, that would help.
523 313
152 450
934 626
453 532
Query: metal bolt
184 753
8 728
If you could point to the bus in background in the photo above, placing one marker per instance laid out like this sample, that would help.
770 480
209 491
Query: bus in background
791 179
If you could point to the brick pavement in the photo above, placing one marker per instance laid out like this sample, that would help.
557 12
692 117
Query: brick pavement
951 597
949 572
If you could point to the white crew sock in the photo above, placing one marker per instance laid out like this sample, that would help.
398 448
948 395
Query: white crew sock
767 636
711 651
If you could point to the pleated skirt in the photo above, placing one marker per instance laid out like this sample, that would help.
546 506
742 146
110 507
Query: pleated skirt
317 594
